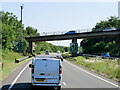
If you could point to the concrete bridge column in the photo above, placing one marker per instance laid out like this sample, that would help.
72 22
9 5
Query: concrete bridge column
74 40
30 47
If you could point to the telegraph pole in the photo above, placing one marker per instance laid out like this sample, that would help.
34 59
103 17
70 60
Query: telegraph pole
21 21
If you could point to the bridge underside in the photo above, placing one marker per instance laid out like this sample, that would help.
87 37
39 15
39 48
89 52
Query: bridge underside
114 33
74 37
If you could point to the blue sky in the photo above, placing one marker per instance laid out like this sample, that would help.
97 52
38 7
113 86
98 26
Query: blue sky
62 16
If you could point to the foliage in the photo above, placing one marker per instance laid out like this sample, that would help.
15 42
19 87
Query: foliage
105 67
32 32
42 46
66 55
8 59
11 32
103 44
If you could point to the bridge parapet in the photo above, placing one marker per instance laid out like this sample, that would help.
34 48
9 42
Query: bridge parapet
63 32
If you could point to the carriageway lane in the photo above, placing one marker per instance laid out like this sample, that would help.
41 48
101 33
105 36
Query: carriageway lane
72 78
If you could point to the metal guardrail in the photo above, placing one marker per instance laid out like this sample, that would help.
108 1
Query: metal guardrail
18 60
90 55
63 32
23 58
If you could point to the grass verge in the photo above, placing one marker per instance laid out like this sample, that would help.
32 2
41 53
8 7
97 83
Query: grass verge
105 67
8 59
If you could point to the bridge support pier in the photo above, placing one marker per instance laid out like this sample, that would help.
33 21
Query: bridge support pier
30 47
74 41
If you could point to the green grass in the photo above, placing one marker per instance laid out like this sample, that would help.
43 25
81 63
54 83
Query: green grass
0 66
0 72
8 59
105 67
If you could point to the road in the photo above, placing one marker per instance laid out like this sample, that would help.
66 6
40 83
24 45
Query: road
73 77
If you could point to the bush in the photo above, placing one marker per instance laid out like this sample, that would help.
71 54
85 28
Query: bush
66 55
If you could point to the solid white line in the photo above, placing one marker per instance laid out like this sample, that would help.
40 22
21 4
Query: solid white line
18 77
92 74
64 83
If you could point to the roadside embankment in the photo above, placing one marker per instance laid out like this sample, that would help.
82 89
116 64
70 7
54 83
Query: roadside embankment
8 60
106 67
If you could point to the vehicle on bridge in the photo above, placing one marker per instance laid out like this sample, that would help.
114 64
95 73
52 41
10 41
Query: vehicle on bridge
46 72
71 32
109 29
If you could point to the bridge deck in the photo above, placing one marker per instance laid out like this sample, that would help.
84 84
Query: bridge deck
99 34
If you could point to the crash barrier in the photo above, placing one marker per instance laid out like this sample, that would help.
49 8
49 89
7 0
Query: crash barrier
90 55
18 60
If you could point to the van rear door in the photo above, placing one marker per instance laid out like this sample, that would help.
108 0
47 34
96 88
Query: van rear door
52 71
46 70
40 68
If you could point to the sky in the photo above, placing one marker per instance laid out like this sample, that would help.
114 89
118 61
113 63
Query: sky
62 16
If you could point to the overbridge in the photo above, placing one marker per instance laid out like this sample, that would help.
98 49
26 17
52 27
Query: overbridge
74 37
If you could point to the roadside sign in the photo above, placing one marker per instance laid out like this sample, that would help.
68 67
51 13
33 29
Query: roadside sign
73 47
18 46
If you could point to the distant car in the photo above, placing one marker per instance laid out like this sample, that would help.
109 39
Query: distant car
80 53
109 29
47 52
60 57
105 54
71 32
58 52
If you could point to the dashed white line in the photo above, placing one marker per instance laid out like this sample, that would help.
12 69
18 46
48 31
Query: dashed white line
64 83
18 77
92 74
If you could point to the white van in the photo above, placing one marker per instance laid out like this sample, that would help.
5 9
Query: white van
46 72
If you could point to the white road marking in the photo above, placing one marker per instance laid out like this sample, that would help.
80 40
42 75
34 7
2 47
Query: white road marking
92 74
18 77
64 83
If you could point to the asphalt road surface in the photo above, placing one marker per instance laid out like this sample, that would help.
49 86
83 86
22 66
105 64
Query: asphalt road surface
73 78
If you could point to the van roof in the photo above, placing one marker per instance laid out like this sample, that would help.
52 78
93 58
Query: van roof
46 58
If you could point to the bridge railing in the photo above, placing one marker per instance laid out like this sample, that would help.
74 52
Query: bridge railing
63 32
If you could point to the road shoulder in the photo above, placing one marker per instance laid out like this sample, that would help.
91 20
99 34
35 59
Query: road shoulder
13 75
92 72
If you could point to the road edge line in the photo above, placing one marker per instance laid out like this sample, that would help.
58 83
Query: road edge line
92 74
64 83
10 87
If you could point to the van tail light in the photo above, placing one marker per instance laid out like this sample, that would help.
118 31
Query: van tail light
33 70
60 70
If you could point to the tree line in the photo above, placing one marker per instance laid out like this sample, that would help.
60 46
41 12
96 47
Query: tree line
11 32
103 44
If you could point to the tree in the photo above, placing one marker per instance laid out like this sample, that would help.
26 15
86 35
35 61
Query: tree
32 32
11 32
103 44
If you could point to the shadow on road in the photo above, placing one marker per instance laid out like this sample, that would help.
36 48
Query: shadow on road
25 86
